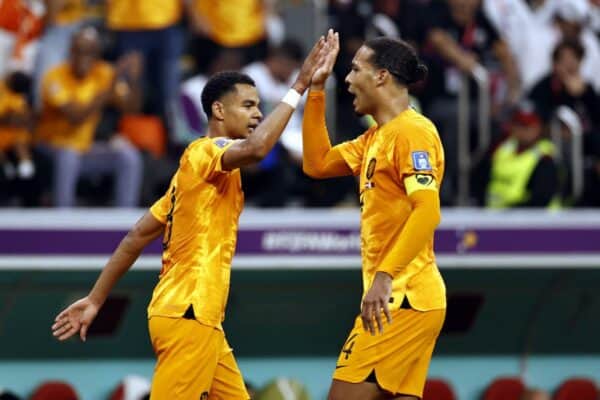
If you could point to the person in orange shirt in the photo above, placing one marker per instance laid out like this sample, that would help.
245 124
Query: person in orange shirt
241 25
153 28
62 19
198 218
74 94
400 162
19 176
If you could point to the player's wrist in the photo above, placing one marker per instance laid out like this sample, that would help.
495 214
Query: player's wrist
300 87
292 98
384 276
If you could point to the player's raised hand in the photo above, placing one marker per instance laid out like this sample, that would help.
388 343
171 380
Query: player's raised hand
332 48
76 318
313 61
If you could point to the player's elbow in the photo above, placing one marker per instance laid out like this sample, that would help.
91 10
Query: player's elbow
257 151
312 171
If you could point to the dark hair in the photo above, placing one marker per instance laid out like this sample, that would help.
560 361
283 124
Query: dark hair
574 45
18 82
289 48
399 58
219 85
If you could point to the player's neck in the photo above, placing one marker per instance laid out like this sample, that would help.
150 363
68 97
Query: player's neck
216 129
391 104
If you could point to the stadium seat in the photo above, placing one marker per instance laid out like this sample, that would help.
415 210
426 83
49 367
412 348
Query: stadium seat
505 388
438 389
54 390
282 389
146 132
132 387
577 389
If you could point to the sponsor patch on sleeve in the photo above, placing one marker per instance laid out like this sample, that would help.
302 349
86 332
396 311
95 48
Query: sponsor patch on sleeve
221 142
420 161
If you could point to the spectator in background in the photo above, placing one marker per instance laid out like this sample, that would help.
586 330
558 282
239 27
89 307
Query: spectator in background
74 94
19 177
267 183
533 38
152 28
63 18
193 120
566 86
460 41
20 28
245 25
522 171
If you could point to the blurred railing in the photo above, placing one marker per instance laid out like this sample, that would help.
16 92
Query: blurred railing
464 155
571 155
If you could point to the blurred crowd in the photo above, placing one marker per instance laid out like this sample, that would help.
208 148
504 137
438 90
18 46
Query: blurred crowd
99 98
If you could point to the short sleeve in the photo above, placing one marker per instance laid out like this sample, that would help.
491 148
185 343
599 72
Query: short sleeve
352 151
419 157
160 208
206 157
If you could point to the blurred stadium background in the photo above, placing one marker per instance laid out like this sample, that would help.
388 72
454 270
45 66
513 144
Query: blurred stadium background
522 272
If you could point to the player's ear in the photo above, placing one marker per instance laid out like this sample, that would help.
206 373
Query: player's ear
381 76
218 110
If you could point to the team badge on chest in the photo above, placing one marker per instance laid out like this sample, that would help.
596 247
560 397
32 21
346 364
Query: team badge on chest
371 168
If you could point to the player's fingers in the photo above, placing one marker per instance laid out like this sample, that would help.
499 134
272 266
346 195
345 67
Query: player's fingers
386 311
317 47
61 329
378 319
369 318
63 314
364 315
60 324
83 331
70 332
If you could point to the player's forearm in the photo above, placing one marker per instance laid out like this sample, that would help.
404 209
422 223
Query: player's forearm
417 232
268 132
122 259
315 137
143 233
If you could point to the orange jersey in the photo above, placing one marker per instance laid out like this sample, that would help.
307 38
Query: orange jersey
200 211
71 11
143 14
234 23
11 102
384 157
61 87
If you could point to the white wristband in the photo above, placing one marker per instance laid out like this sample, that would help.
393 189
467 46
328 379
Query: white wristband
292 98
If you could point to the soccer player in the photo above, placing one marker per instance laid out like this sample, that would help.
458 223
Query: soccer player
400 162
198 218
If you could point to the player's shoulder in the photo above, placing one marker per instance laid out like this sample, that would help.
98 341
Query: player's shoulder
412 124
208 145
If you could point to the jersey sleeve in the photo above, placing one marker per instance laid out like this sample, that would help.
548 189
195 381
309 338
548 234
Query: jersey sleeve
160 208
352 152
418 160
206 158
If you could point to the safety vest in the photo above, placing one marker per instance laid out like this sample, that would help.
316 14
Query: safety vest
511 172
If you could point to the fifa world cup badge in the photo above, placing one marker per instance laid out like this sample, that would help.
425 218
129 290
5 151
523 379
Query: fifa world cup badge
420 160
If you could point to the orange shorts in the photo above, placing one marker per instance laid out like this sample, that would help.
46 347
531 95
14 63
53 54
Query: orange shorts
399 358
194 361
